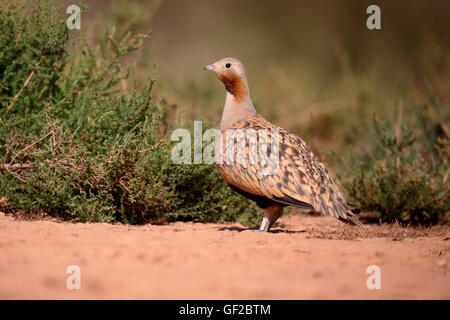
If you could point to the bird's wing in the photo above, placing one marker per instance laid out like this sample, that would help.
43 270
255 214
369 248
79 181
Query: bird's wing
300 179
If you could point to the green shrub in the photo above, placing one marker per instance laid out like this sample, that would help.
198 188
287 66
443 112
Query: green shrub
402 174
79 140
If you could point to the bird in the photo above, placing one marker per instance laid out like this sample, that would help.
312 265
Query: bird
298 179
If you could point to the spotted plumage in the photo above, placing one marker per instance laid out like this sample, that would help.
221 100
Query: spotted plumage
299 177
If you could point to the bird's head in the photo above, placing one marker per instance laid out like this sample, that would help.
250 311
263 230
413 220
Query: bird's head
232 73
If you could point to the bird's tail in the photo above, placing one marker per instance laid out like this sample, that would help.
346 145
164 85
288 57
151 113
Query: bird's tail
350 215
351 219
353 208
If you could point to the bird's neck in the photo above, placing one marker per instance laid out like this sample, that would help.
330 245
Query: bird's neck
238 106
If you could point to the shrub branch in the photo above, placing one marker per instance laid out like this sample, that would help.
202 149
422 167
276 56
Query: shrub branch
25 84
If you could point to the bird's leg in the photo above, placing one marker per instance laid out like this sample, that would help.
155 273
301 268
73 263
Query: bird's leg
265 224
271 214
278 211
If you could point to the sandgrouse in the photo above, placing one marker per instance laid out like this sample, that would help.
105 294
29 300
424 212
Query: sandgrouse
299 178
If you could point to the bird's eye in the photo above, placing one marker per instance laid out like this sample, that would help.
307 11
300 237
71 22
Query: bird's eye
228 65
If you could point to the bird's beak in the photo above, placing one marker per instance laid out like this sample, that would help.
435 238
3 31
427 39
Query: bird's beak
209 67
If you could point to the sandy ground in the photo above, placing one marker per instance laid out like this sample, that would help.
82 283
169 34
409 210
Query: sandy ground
304 258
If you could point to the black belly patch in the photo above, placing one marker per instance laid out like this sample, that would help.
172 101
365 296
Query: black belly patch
264 202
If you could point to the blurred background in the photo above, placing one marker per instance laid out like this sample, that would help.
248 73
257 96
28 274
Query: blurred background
78 143
313 66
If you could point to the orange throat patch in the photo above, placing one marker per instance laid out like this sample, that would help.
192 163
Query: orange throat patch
235 85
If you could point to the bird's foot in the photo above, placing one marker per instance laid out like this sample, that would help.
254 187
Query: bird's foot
265 225
256 230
